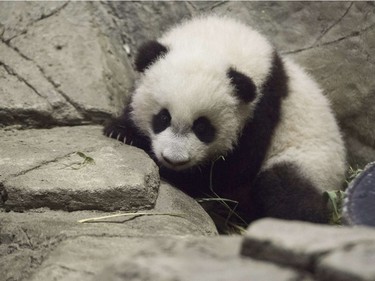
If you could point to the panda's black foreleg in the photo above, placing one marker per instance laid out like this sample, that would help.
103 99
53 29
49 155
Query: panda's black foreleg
282 192
123 129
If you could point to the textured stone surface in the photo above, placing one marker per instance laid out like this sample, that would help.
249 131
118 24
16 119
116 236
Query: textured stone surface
25 103
115 181
195 266
15 18
67 55
69 262
28 95
140 22
50 173
28 240
305 245
26 149
352 263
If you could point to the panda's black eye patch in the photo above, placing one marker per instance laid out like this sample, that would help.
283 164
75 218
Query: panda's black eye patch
204 130
161 121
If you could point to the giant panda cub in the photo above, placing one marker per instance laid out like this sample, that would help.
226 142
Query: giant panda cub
222 112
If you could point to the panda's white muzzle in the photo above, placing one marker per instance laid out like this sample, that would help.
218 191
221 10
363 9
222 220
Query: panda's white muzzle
172 150
175 157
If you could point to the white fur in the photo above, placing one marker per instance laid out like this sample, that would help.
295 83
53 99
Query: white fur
308 134
191 82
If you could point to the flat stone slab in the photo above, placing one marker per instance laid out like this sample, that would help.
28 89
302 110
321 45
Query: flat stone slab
24 150
156 258
352 263
55 246
316 248
195 266
110 182
75 168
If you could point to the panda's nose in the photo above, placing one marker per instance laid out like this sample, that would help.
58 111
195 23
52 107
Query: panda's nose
175 160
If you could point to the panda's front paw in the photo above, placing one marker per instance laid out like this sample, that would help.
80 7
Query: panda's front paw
117 129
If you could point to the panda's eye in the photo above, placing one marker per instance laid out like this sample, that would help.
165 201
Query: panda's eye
161 121
204 130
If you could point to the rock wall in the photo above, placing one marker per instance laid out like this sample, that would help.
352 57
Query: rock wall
61 64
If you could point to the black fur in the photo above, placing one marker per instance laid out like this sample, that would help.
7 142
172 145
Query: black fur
124 130
245 87
280 192
148 53
161 121
204 130
233 176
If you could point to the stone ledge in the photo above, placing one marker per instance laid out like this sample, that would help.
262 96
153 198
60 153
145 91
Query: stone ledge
312 247
49 171
196 266
53 243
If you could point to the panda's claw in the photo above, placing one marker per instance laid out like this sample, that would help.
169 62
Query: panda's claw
110 134
124 140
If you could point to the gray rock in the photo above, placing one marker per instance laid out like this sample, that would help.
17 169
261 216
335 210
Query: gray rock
156 258
24 150
299 244
171 200
25 104
16 265
69 260
288 25
72 53
196 266
119 177
69 55
352 263
28 95
56 247
140 22
17 17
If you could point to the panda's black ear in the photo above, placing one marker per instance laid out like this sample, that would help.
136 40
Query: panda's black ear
244 86
148 53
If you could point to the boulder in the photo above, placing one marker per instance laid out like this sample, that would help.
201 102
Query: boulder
60 64
75 168
328 250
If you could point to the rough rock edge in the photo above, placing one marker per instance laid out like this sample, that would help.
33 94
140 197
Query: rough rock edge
268 250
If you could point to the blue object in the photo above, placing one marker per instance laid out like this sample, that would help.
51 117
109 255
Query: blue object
359 205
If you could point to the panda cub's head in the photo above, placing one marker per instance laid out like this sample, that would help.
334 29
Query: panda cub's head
198 87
